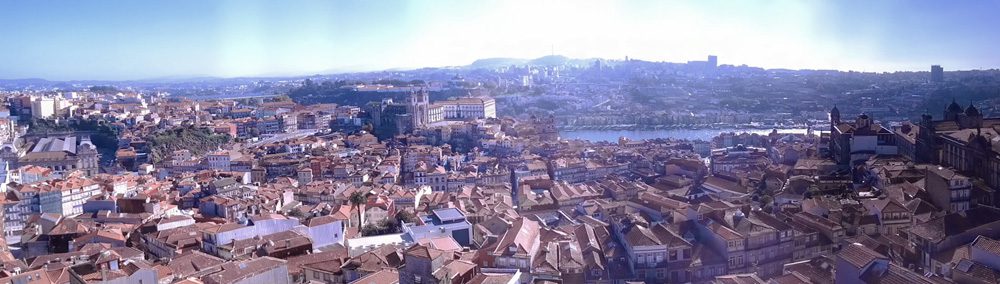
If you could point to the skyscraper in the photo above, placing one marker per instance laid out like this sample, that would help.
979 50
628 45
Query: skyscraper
937 73
713 61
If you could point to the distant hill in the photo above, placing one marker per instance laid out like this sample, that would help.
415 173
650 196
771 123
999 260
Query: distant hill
548 60
496 62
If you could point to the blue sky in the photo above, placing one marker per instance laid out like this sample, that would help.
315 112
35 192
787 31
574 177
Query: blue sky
64 40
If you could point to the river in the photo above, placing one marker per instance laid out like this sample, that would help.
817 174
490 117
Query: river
689 134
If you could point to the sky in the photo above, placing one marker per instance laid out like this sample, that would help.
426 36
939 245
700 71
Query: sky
126 40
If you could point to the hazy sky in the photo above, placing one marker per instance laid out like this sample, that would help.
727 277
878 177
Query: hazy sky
145 39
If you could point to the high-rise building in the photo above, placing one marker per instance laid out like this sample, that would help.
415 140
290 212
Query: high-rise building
713 61
937 73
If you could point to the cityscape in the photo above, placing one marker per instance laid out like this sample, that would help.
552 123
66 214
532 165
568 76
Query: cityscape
472 164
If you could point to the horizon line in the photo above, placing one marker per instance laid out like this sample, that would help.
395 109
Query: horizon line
404 69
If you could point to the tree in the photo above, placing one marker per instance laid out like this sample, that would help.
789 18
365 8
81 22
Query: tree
369 230
296 212
388 226
405 216
358 198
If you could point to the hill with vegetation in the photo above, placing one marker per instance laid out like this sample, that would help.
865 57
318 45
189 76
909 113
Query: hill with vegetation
198 140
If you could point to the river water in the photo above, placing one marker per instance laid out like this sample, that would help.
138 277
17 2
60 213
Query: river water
689 134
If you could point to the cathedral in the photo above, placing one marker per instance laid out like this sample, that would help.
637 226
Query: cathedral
393 118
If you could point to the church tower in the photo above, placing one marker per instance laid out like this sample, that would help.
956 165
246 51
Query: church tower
834 118
926 148
973 118
953 112
88 157
418 105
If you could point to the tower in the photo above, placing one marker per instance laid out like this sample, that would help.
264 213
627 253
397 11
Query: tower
834 118
974 119
926 149
418 105
713 61
88 157
953 112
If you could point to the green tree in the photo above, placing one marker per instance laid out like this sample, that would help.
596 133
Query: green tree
296 212
358 198
369 230
197 140
405 216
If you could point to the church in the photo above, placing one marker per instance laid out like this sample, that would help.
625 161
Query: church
854 142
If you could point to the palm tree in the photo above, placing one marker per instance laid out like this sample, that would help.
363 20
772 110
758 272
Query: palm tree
358 198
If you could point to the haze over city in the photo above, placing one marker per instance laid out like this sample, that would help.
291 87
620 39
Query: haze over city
117 40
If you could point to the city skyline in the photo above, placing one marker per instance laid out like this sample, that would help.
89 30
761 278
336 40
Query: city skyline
115 40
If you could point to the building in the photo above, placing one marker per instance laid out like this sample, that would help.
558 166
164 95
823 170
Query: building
61 154
62 196
937 73
448 222
216 237
468 108
854 142
257 270
728 160
516 249
948 190
963 140
43 107
417 108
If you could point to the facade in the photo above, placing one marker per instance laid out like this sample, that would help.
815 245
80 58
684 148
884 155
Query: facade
417 107
43 107
468 108
949 190
64 196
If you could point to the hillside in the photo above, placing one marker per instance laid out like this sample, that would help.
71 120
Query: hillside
198 140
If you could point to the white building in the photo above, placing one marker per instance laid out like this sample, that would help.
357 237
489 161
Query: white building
468 108
43 107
